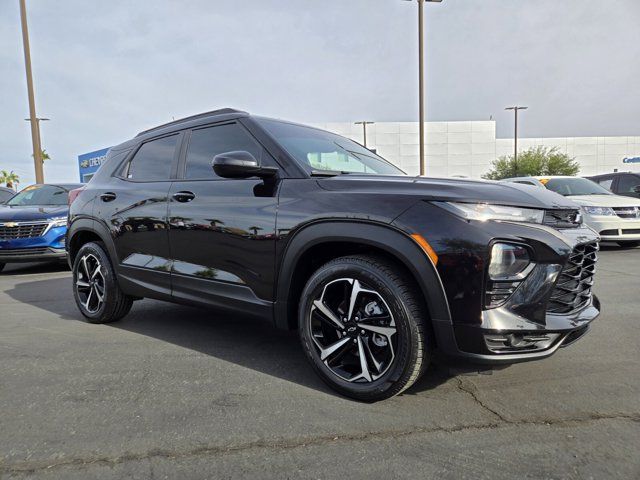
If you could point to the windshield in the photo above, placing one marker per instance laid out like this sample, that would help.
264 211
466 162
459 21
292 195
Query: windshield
574 186
40 195
318 150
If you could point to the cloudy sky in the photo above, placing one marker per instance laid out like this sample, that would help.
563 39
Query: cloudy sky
105 70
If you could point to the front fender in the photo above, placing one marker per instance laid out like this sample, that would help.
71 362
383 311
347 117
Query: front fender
391 240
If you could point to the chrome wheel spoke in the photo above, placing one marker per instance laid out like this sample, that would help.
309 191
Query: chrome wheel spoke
375 362
86 305
82 284
319 304
325 353
363 363
386 331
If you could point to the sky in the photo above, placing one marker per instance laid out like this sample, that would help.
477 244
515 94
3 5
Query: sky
104 71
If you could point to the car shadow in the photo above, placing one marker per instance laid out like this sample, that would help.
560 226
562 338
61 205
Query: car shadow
247 342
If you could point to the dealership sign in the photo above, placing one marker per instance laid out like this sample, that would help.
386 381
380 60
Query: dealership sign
89 163
631 160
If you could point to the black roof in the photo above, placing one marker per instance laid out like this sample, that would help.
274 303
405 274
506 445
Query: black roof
199 116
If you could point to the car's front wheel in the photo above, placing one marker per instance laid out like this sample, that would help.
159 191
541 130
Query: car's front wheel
95 286
362 325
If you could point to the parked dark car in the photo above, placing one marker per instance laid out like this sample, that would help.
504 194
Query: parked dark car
620 183
33 224
310 230
6 194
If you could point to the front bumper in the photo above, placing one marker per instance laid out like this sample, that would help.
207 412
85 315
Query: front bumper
614 228
523 328
50 246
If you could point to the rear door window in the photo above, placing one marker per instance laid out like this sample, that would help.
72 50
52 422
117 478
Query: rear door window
153 160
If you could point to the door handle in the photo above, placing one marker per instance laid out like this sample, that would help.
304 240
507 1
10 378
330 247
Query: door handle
184 197
108 196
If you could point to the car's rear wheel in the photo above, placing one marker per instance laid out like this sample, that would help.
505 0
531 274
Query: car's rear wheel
630 244
95 286
363 327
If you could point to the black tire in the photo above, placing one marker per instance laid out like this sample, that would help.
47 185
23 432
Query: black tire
396 292
2 266
115 304
631 244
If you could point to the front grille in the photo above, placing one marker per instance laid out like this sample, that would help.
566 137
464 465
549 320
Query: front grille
567 218
22 230
11 252
573 287
627 212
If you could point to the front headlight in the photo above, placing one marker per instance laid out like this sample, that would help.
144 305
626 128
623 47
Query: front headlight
483 212
57 222
599 211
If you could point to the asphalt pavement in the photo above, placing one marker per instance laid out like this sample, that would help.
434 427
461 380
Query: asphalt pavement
178 392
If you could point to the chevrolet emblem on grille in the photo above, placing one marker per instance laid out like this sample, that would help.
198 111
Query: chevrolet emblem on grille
10 224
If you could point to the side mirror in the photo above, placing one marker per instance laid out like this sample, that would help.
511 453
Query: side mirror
240 164
636 189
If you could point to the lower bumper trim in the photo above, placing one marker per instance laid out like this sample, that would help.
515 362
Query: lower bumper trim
21 255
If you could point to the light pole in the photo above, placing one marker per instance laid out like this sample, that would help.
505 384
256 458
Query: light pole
515 109
35 125
364 129
421 76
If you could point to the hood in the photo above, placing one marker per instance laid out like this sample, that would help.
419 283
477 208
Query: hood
452 190
605 200
19 213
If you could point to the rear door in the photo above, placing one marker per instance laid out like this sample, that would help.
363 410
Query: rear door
133 206
222 231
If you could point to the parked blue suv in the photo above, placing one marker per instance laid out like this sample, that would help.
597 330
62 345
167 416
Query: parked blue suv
33 224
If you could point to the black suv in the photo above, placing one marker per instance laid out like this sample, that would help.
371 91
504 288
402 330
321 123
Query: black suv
310 230
620 183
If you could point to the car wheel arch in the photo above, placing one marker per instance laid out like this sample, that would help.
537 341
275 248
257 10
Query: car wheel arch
84 231
345 238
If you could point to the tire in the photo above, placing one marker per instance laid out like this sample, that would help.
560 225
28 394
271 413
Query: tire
387 327
631 244
98 295
2 266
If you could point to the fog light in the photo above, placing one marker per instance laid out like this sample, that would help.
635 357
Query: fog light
508 262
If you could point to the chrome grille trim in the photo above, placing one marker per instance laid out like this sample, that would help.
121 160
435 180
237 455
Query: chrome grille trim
15 230
627 212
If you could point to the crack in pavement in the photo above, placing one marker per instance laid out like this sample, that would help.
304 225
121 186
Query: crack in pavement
29 467
469 387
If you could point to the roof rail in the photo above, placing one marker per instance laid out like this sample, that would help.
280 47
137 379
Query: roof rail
221 111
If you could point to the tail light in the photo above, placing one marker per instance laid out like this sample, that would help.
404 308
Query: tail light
73 194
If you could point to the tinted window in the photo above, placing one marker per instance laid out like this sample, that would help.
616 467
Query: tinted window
605 182
40 195
627 183
153 160
573 186
5 195
319 150
206 143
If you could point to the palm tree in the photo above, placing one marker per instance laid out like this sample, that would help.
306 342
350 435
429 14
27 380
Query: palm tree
44 155
9 178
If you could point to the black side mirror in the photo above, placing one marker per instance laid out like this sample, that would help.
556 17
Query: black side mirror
240 164
636 189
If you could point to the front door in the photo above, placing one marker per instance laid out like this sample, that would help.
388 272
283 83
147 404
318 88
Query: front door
222 231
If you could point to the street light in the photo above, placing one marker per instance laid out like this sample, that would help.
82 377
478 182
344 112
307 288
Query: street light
515 109
364 129
421 75
35 124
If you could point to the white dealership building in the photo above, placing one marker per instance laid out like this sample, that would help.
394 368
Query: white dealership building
468 148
